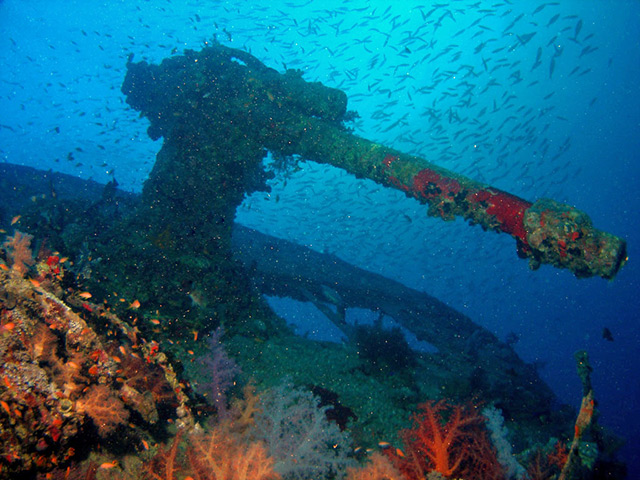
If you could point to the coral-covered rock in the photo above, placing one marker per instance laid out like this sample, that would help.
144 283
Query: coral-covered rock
71 373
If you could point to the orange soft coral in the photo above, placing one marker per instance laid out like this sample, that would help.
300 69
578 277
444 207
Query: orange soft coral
217 454
104 408
19 252
379 468
450 440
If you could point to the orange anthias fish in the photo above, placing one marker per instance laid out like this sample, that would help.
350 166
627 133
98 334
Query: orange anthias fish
108 465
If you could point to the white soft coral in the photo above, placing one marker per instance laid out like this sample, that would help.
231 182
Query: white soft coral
304 444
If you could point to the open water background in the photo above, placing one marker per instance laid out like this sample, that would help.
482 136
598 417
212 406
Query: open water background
541 99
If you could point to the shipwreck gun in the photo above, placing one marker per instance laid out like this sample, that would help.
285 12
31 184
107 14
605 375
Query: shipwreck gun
227 95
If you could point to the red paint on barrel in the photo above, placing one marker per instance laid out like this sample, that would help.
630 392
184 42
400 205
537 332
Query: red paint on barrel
508 209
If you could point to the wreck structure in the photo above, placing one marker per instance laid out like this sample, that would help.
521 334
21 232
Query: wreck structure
220 108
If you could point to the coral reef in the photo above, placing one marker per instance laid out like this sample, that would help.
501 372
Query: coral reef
67 382
75 378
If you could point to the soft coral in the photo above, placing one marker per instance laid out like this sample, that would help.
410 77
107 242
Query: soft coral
218 454
449 439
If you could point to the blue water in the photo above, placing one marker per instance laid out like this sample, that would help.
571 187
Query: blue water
539 99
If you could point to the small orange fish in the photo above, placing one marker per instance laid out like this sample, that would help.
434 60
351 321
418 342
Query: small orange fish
195 335
122 350
7 327
4 267
134 305
155 321
35 283
107 465
384 444
146 445
85 295
73 365
5 405
15 219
